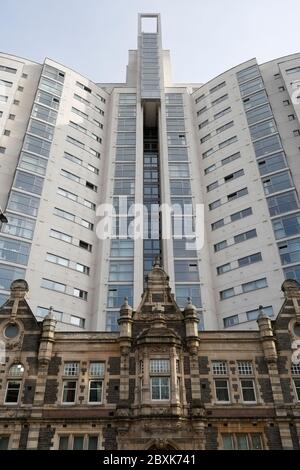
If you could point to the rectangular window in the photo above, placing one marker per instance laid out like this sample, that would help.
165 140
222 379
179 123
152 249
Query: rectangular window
8 274
237 194
231 321
160 388
245 236
95 391
50 86
219 100
121 271
276 183
77 321
41 129
67 194
283 203
286 226
4 68
246 260
64 214
217 224
293 70
122 248
12 392
226 126
47 99
248 391
251 86
297 388
255 100
14 251
231 158
28 182
248 73
23 203
262 129
180 188
45 114
52 285
209 169
224 268
227 293
289 251
233 176
245 367
183 292
53 73
212 186
71 368
159 366
267 145
19 226
222 391
176 139
186 271
201 111
222 113
36 145
220 246
116 295
69 391
253 314
57 260
124 187
4 440
241 214
60 236
203 124
85 245
33 163
70 176
126 138
205 138
43 312
272 163
254 285
217 87
258 114
227 142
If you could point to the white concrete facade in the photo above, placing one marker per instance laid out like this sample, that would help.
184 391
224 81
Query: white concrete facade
213 138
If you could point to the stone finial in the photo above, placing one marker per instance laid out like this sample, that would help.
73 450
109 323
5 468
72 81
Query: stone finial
189 305
262 313
50 315
156 262
125 308
18 289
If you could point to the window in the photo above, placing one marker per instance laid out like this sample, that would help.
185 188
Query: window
296 133
14 251
207 153
43 312
209 169
80 442
217 87
84 87
124 187
4 442
12 392
4 68
245 261
257 131
283 203
201 111
254 285
248 391
223 128
160 388
176 139
82 268
72 158
77 321
286 226
78 127
245 236
87 224
116 295
222 391
60 236
23 203
205 138
179 170
95 391
224 268
214 205
3 98
41 129
180 188
80 294
237 194
186 270
231 158
52 285
241 441
245 367
219 100
50 86
199 98
73 141
227 142
19 226
12 117
97 369
272 163
79 112
253 314
53 73
212 186
220 246
231 321
241 214
126 138
254 100
70 176
47 99
183 292
85 245
248 73
289 251
125 170
28 182
277 182
251 86
217 224
267 145
89 204
233 176
297 388
64 214
122 248
121 271
291 117
33 163
67 194
227 293
71 368
222 113
258 114
69 391
57 260
159 366
36 145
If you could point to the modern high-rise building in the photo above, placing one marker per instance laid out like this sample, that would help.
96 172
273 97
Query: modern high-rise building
68 145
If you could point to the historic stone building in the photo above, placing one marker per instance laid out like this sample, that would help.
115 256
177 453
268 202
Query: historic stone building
156 384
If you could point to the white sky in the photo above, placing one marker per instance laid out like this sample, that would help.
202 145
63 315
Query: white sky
205 37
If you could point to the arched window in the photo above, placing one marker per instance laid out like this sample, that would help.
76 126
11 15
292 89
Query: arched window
16 370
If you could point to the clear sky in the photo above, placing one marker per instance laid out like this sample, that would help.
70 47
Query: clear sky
206 37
